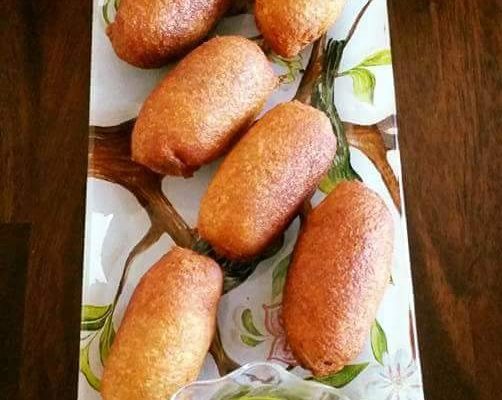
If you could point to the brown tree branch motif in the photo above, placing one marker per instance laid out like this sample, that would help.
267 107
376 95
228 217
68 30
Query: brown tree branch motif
371 141
110 160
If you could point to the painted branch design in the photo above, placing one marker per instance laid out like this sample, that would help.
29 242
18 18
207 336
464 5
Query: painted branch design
374 144
110 160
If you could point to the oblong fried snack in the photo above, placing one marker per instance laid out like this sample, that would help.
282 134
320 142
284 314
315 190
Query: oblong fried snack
167 329
264 180
289 26
150 33
197 111
337 278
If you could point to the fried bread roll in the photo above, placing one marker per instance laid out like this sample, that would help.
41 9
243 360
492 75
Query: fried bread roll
289 26
150 33
264 180
337 278
198 110
167 329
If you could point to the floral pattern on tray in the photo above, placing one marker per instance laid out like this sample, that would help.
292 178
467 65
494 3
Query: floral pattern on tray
128 229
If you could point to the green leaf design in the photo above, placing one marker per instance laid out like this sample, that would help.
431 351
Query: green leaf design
250 341
363 80
381 57
378 341
248 323
293 67
85 368
94 317
262 393
327 184
323 99
236 272
106 339
279 276
363 83
105 9
343 377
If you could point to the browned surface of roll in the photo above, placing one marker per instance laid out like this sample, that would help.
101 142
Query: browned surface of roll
337 278
198 110
167 329
150 33
289 26
264 180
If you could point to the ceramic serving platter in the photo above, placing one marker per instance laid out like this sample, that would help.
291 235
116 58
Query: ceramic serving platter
128 229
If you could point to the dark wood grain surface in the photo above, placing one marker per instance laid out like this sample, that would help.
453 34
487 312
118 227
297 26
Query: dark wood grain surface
448 68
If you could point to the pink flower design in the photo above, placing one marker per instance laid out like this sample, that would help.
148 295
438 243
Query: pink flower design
279 350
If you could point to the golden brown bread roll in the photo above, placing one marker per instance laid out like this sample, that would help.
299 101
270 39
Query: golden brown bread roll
337 278
264 180
150 33
289 26
198 110
167 329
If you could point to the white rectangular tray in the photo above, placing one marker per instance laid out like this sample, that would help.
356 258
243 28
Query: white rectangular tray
119 220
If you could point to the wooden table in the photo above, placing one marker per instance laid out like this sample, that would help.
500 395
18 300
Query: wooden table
449 82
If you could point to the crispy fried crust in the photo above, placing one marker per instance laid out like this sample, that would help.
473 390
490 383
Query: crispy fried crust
264 180
150 33
289 26
340 268
167 329
198 110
